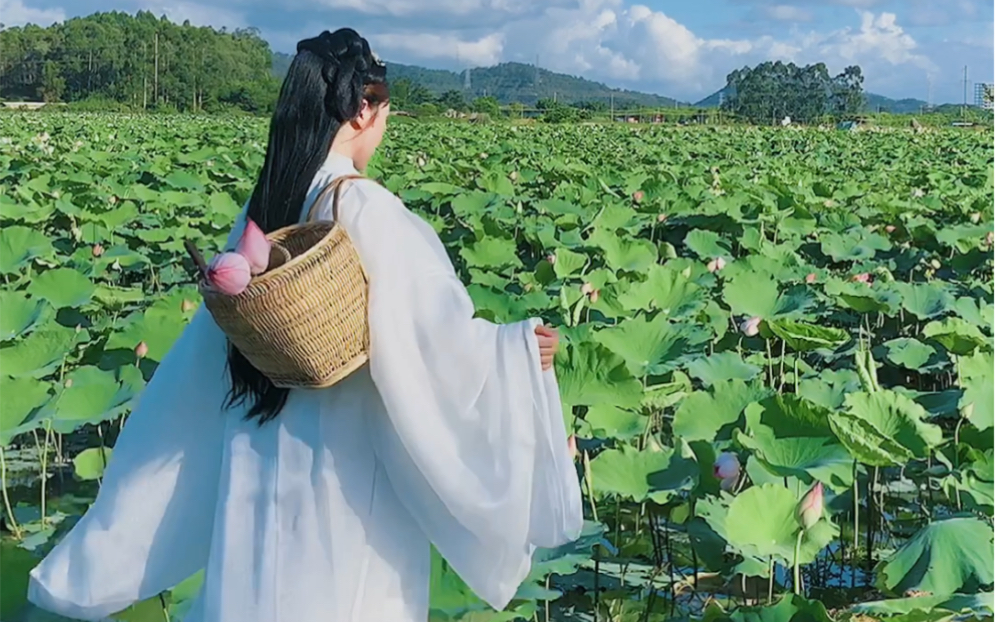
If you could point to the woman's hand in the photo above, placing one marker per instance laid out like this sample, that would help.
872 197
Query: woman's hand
548 342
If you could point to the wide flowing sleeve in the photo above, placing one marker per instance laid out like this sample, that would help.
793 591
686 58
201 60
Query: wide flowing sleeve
472 434
150 526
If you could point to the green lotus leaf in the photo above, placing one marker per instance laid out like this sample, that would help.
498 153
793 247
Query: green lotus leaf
722 366
665 289
924 300
978 377
62 287
22 397
589 374
19 314
649 347
90 463
19 245
647 474
760 522
803 337
704 414
945 557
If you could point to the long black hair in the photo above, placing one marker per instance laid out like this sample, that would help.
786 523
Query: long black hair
328 81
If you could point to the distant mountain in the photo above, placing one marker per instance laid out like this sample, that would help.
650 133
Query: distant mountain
874 103
512 82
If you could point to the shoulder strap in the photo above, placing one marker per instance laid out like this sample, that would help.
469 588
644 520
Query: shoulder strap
336 186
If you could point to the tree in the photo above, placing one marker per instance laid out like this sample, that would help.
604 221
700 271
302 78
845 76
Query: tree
773 90
452 100
487 105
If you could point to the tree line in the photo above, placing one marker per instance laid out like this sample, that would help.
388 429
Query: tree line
140 61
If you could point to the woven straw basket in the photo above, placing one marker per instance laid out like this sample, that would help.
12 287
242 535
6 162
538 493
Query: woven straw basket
303 323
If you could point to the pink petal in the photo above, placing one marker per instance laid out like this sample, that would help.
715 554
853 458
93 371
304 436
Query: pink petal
229 273
254 247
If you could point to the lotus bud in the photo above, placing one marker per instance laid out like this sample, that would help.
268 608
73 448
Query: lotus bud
254 247
595 295
98 250
810 278
229 273
187 305
935 263
661 218
726 469
551 258
142 350
637 196
421 162
513 175
990 238
750 326
809 509
586 289
975 218
890 228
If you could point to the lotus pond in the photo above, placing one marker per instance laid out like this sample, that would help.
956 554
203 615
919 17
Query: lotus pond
747 315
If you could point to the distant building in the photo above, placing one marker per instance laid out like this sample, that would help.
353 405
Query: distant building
983 95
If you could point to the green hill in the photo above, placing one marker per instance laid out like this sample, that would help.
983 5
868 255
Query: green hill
512 82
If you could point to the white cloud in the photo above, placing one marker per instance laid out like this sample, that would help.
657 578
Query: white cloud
480 52
15 13
788 13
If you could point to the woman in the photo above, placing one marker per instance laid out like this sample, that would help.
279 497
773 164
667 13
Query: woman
303 506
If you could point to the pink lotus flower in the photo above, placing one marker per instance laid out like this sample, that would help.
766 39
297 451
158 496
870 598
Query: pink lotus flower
551 258
637 196
863 277
254 247
726 469
750 326
809 509
595 295
142 350
98 250
811 278
716 264
229 273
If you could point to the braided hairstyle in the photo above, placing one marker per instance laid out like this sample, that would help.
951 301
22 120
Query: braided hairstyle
328 81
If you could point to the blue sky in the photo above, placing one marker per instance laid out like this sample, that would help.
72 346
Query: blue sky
684 49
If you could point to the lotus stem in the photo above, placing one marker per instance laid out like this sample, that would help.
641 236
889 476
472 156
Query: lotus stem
796 584
6 497
856 525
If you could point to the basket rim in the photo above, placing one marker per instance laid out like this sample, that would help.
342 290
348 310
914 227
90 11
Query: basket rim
205 287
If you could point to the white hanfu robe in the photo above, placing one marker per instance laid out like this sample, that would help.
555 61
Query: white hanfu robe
451 435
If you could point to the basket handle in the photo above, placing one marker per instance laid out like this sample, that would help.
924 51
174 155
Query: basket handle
336 186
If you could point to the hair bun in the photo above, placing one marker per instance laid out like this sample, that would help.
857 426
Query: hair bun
342 47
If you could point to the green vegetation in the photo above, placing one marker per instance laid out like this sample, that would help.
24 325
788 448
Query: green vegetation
817 303
142 62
